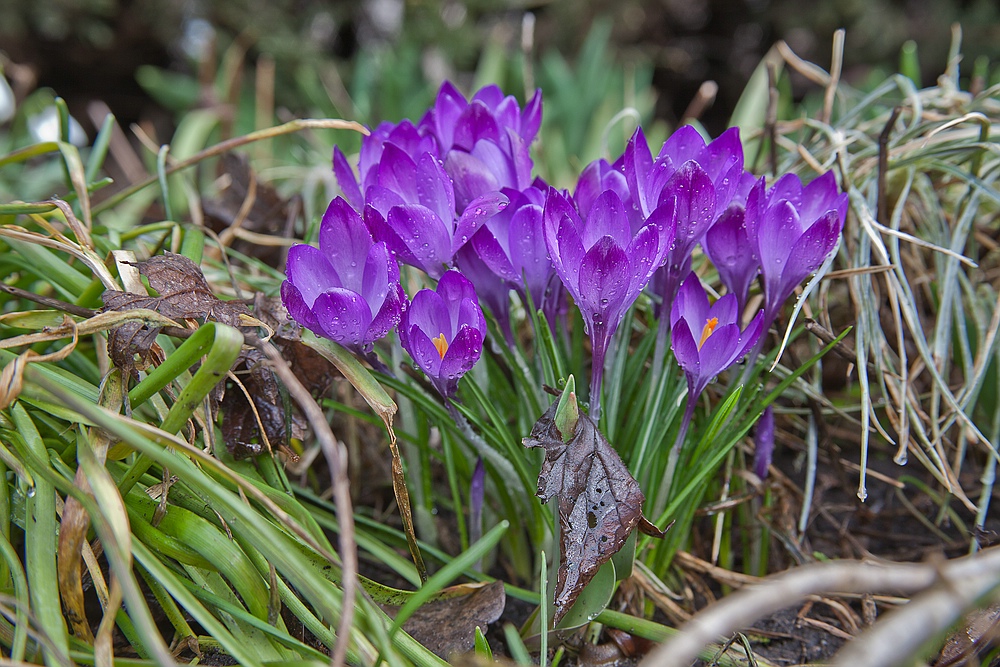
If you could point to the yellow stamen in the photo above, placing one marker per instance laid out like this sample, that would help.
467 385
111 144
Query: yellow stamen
710 325
440 344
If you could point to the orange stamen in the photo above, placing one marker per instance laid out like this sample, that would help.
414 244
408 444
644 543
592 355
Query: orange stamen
440 344
710 325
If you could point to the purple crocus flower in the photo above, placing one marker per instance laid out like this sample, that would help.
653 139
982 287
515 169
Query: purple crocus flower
484 142
411 206
348 289
404 136
706 339
492 290
603 265
727 245
443 331
703 177
793 230
512 245
764 442
444 120
598 177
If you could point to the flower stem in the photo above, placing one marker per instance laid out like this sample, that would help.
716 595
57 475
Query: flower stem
660 351
495 458
599 346
674 456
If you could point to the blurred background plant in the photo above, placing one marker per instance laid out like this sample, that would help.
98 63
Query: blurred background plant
192 75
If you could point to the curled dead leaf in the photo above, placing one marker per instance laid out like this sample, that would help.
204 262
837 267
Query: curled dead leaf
600 503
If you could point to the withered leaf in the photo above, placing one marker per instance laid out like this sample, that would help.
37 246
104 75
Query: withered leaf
240 428
600 503
268 212
183 293
447 625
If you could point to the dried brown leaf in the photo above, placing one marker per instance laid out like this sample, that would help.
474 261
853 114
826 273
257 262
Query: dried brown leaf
240 426
182 293
246 203
447 625
600 503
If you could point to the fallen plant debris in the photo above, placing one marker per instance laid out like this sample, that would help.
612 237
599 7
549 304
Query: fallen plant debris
447 623
248 214
600 503
182 293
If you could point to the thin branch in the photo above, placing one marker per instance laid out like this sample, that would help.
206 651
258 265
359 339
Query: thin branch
783 590
336 460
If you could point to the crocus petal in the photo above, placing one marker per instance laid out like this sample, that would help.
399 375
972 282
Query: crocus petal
645 255
725 309
531 117
776 234
345 241
425 236
492 254
388 315
691 303
597 177
346 180
607 218
821 195
728 247
475 216
297 308
472 176
764 442
567 252
442 118
638 163
383 233
527 247
493 291
423 351
311 272
382 199
520 162
750 335
454 290
685 349
716 353
378 275
430 314
475 123
604 281
695 194
462 354
343 316
434 187
809 252
397 171
686 143
721 155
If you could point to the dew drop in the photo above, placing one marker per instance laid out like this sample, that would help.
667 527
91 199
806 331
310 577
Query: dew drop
30 491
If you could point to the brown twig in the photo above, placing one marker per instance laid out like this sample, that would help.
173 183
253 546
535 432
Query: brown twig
951 586
335 457
47 301
883 166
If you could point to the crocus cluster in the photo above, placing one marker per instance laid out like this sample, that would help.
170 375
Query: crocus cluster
454 196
